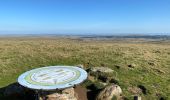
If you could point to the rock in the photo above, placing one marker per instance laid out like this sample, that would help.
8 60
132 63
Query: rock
109 92
70 93
103 74
14 90
56 96
91 78
135 90
101 69
66 94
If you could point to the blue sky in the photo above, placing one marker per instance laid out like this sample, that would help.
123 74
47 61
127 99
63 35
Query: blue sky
85 16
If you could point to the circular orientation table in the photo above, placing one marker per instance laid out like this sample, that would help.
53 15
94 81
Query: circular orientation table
52 77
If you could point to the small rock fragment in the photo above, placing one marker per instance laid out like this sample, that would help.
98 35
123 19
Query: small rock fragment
135 90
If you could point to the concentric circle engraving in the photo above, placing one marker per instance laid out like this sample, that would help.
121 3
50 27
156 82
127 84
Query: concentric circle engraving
52 77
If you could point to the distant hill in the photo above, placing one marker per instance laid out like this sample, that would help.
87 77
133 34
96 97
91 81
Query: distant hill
164 37
93 36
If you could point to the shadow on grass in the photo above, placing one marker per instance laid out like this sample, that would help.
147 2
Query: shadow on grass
94 91
15 91
91 95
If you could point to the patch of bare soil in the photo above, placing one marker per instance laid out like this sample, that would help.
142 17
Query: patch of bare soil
82 92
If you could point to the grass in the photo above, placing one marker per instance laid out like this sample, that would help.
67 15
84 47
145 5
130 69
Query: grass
151 60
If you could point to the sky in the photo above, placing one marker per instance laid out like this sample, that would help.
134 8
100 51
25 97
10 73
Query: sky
84 16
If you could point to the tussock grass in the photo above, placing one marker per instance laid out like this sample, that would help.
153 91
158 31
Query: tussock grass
152 61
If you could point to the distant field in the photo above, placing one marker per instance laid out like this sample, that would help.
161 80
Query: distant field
151 60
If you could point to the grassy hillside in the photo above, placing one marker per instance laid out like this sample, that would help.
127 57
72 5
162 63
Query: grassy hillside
151 61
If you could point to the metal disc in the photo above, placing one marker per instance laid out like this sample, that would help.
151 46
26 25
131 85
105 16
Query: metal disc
52 77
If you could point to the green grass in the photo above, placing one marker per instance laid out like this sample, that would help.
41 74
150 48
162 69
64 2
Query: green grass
18 55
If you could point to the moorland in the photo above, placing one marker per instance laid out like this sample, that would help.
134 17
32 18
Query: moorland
150 59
